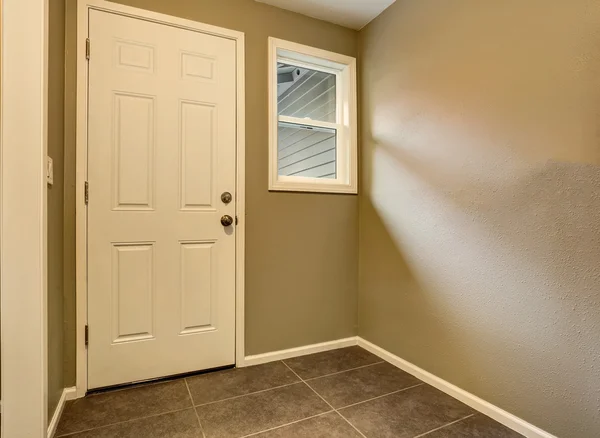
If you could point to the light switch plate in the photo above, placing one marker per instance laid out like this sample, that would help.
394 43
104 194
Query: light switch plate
49 171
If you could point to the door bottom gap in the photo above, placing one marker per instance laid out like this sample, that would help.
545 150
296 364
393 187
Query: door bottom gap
139 383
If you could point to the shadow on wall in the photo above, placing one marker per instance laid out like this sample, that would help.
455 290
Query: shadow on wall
496 282
480 215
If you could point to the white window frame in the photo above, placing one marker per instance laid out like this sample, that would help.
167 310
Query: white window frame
344 67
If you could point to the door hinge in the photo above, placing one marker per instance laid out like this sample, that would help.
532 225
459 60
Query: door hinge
87 335
236 219
87 193
87 49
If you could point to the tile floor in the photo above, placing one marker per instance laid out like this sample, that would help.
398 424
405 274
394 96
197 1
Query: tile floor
346 393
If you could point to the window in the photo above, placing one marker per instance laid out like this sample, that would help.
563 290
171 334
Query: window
312 119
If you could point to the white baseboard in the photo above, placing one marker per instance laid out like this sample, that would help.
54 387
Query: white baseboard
509 420
71 393
500 415
67 394
299 351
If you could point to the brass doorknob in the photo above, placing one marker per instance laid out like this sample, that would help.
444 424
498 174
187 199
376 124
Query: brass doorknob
226 197
226 220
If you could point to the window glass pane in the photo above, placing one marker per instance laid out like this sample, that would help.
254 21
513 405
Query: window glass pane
306 151
306 93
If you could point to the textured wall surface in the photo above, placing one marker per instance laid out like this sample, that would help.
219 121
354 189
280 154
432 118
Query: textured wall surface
480 208
301 249
56 80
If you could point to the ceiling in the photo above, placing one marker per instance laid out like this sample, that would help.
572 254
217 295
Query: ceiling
354 14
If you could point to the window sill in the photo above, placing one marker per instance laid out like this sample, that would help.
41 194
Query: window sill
313 188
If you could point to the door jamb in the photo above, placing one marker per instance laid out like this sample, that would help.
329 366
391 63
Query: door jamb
83 8
23 218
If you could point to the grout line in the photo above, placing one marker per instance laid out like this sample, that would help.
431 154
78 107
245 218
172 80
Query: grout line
352 425
445 425
195 411
176 410
345 371
295 373
245 395
123 422
300 380
383 395
328 404
189 392
338 412
288 424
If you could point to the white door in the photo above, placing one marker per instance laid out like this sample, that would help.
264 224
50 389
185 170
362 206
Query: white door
161 266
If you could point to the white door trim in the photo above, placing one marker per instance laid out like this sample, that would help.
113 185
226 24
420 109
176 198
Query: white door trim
24 218
84 7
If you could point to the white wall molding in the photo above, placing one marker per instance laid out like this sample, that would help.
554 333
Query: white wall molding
71 393
67 394
299 351
509 420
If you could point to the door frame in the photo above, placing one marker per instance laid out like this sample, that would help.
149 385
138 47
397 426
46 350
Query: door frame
83 8
23 218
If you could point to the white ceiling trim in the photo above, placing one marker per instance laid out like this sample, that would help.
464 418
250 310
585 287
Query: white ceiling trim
354 14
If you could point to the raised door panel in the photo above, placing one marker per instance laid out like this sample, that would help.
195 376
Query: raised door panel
199 67
133 152
134 56
132 292
198 155
198 287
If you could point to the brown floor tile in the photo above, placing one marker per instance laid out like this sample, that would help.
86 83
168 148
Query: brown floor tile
324 426
113 407
224 384
181 424
358 385
406 414
257 412
328 362
477 426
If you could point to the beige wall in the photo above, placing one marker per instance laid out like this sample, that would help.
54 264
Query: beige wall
56 80
479 220
301 249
